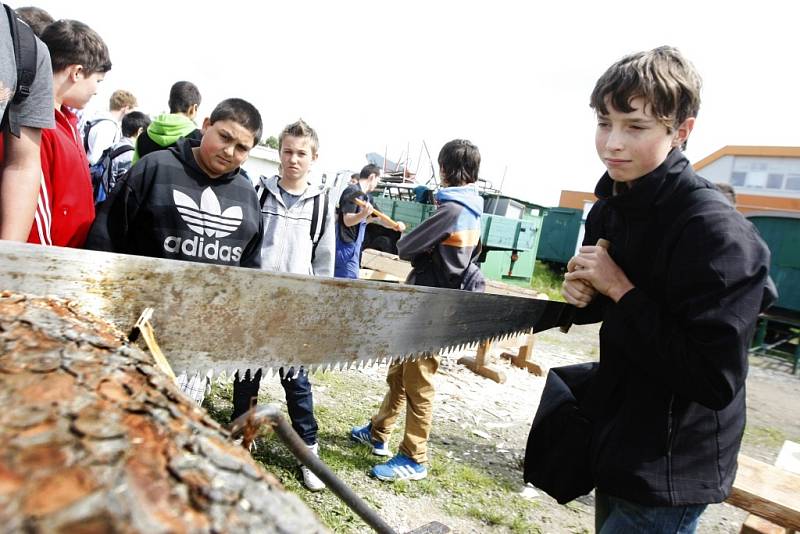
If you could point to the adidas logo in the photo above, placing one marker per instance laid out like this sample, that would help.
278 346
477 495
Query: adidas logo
206 220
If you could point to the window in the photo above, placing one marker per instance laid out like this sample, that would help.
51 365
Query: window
792 182
775 181
756 179
737 178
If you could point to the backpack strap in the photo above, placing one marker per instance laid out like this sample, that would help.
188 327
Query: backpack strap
317 224
261 193
119 151
25 57
87 127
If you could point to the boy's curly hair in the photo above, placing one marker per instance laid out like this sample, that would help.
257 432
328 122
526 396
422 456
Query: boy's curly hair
120 99
667 81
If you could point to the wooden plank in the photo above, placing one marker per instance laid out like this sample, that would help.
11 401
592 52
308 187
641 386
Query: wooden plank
759 525
369 274
788 459
767 491
385 263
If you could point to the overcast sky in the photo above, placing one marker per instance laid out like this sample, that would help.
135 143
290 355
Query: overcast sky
513 79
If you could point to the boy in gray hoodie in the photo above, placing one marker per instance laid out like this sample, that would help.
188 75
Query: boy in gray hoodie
299 238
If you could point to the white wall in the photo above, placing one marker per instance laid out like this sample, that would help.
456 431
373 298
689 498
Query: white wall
262 161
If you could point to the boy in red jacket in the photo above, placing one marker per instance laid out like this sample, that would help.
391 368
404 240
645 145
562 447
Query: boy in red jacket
65 209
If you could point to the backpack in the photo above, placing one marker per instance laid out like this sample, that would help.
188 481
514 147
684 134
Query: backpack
429 267
473 279
102 179
87 127
25 57
317 223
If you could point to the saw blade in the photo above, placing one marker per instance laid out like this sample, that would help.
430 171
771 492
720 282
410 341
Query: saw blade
229 318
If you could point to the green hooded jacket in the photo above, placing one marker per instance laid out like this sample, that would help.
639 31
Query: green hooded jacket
165 130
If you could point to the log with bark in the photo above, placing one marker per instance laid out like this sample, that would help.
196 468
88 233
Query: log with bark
95 438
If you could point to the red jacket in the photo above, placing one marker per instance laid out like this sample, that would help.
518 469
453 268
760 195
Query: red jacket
65 210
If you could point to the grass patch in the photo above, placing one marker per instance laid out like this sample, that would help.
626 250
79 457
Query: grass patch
475 494
455 487
546 280
764 437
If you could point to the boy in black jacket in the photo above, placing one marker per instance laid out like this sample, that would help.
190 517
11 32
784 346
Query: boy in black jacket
190 202
678 291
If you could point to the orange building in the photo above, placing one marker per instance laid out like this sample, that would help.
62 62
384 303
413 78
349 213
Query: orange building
765 178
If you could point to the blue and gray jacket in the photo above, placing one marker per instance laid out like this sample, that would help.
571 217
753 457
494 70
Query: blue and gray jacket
441 247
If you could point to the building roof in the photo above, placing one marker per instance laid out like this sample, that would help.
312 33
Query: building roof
757 151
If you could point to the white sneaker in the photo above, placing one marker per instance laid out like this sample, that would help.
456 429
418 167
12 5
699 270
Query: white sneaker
312 481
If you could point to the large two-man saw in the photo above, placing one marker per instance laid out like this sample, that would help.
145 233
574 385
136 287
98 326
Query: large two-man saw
230 318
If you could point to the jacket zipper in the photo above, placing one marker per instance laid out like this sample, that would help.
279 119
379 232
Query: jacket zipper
670 436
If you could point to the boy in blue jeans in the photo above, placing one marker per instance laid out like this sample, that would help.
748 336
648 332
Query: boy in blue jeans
678 291
441 250
293 243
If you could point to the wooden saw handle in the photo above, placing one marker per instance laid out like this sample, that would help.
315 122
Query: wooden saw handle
602 243
385 218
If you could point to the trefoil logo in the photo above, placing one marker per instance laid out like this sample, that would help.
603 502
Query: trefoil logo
208 221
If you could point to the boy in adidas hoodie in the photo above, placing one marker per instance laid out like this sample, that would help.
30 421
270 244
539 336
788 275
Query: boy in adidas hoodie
190 202
441 250
293 245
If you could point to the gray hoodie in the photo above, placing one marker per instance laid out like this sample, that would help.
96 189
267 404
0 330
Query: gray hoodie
287 246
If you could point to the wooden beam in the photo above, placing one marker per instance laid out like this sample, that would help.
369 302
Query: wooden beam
767 491
788 459
524 357
478 364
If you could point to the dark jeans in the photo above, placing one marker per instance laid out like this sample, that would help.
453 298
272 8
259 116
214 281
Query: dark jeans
299 400
618 516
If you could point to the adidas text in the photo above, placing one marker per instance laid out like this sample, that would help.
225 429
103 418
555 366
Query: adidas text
197 247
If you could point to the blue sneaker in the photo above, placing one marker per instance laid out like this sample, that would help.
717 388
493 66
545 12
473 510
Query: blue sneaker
364 435
400 467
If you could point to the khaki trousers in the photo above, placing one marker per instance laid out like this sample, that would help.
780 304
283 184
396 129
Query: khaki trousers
410 385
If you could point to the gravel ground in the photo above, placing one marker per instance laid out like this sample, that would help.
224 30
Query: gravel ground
486 424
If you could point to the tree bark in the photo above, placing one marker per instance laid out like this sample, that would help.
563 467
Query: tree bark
95 438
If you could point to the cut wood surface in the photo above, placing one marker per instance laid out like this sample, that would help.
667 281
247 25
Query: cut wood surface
767 491
95 438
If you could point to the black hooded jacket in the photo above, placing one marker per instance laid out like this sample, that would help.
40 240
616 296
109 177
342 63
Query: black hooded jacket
167 207
669 398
